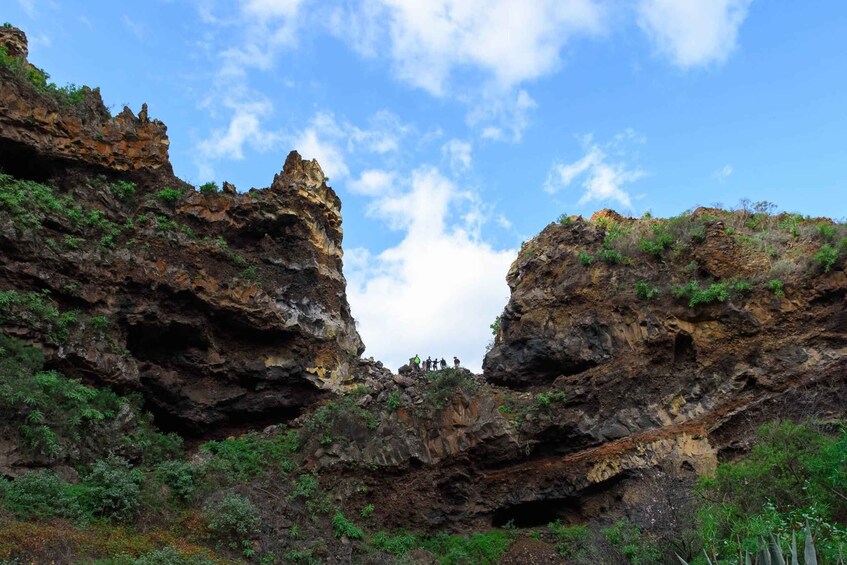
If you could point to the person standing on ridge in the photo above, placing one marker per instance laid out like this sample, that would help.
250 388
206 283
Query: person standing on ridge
417 362
456 362
428 364
443 364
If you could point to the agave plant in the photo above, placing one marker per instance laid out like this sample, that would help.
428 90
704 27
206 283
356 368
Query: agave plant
771 553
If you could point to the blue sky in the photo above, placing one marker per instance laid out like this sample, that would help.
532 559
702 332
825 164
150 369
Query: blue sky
455 129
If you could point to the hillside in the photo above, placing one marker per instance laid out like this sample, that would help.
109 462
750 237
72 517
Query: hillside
181 380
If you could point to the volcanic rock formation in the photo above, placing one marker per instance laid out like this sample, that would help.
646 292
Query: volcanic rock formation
220 308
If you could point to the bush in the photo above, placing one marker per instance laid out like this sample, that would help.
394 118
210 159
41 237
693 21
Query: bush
610 256
826 257
122 190
442 387
715 292
826 231
656 245
344 527
47 407
564 220
169 556
572 542
482 549
38 495
113 489
248 456
645 291
169 195
627 539
393 400
180 478
585 258
233 520
794 473
776 286
543 400
209 188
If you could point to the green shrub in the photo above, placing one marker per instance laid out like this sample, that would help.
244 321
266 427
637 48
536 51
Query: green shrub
47 407
169 195
826 231
209 188
826 257
645 291
444 385
794 474
715 292
233 520
610 256
776 286
179 476
572 542
495 327
100 322
564 220
482 549
627 539
123 190
399 544
367 510
305 486
38 495
249 274
661 240
170 556
344 527
113 489
250 455
585 258
66 96
543 400
393 401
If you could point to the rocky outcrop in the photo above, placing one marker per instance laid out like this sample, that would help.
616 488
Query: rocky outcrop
222 309
39 124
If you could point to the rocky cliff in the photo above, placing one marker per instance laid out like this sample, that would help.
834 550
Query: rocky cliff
219 307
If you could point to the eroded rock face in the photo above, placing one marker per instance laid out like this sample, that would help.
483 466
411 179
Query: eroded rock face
224 310
83 132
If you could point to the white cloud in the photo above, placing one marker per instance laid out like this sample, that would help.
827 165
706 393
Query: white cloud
723 173
373 182
511 42
245 128
603 179
328 139
437 291
694 32
509 110
458 152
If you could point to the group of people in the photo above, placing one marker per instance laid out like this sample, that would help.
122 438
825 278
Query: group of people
430 364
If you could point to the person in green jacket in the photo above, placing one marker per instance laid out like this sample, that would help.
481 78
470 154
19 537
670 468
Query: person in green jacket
417 361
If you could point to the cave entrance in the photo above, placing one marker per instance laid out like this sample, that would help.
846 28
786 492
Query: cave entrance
23 162
535 513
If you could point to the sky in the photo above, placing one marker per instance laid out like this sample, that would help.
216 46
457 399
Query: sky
453 130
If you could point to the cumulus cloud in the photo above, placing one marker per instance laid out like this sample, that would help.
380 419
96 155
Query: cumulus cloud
244 128
329 139
373 182
437 291
603 176
458 152
695 32
511 42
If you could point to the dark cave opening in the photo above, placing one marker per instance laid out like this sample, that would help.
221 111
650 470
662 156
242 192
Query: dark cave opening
535 513
22 162
683 348
150 342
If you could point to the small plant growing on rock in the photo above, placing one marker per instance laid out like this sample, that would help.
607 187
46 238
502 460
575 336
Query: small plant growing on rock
585 258
826 231
565 220
543 400
123 190
233 520
344 527
393 400
826 257
249 274
775 286
169 195
645 291
209 188
610 256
